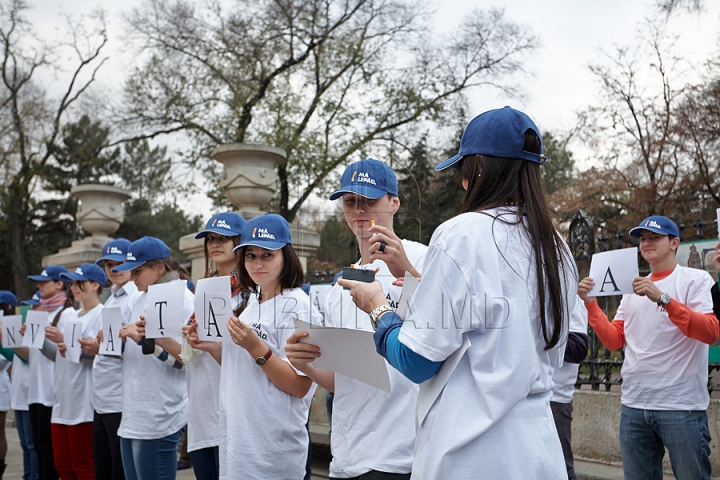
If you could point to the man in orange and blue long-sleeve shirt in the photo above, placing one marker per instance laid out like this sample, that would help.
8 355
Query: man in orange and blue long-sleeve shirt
666 326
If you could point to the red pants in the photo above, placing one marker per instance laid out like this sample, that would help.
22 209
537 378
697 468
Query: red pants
73 451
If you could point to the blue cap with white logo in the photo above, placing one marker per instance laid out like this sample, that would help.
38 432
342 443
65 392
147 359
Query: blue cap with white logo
115 251
229 224
369 178
497 133
6 296
35 300
658 224
141 251
53 272
88 272
269 231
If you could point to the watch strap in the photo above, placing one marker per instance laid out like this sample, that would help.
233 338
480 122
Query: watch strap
377 312
263 360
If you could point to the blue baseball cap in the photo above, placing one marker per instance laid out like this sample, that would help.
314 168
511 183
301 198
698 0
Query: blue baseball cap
658 224
88 272
35 300
53 272
497 133
369 178
115 251
141 251
269 231
6 296
229 224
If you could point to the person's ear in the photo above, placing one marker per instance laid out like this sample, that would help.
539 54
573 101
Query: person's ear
394 204
675 243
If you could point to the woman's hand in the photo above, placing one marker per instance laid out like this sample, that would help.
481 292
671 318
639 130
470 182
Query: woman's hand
367 296
62 348
246 337
584 287
132 331
90 346
54 335
301 355
716 258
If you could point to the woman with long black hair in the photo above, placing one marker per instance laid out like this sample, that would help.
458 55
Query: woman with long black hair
499 277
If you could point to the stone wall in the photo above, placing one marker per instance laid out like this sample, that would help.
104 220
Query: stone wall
596 422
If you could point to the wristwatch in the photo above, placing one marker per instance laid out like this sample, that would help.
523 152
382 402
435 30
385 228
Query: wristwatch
376 313
664 300
263 360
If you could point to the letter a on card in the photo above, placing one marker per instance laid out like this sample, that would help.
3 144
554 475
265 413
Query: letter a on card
213 308
164 309
36 321
613 272
11 331
112 322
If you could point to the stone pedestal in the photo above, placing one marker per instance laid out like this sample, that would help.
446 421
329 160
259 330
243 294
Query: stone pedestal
100 213
249 180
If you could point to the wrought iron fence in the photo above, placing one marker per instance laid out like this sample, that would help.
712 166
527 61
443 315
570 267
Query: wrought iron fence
604 369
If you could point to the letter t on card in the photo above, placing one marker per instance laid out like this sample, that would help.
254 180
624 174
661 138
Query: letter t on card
164 310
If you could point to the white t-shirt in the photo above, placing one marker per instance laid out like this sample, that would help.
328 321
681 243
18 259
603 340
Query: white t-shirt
20 385
108 370
42 369
663 368
566 376
493 417
73 381
262 427
364 417
203 384
5 395
154 393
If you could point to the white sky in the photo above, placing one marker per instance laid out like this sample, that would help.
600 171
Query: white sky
572 33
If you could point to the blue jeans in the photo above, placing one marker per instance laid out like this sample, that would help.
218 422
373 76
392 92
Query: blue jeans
151 459
206 463
30 460
644 435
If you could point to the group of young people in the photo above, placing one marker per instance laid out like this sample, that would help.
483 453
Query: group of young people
498 310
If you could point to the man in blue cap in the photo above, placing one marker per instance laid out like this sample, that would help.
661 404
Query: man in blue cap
666 327
365 416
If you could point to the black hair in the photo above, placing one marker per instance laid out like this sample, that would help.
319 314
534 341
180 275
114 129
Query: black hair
84 285
209 270
7 309
171 264
292 275
494 182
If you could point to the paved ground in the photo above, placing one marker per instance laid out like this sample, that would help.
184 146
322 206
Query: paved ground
14 461
585 470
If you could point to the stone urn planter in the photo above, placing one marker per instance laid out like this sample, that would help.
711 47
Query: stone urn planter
249 179
101 208
100 214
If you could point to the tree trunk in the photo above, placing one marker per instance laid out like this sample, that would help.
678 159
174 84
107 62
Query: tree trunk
17 225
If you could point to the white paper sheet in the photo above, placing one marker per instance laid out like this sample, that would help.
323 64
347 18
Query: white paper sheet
410 284
347 351
36 321
430 389
11 337
112 322
213 308
614 272
164 310
71 334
